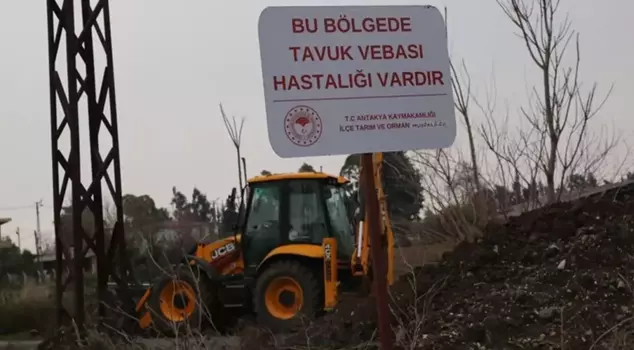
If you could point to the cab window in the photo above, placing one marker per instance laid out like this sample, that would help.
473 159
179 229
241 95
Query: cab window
265 207
306 213
339 220
262 232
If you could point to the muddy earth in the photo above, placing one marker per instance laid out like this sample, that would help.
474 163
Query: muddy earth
560 277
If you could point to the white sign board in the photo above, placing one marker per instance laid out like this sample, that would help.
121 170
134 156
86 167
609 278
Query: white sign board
355 79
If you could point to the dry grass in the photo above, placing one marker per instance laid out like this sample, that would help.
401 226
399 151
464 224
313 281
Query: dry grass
32 308
29 292
26 310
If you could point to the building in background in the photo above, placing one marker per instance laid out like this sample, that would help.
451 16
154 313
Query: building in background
2 222
48 261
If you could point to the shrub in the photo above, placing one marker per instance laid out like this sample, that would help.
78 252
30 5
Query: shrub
30 308
455 222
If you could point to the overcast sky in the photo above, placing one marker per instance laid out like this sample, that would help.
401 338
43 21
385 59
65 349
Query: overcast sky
176 60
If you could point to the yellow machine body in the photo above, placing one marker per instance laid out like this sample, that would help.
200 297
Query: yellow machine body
305 270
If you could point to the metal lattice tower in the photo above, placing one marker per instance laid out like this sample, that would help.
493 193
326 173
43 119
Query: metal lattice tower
76 42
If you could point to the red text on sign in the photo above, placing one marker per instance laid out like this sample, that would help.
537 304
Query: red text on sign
389 52
356 80
321 53
301 25
322 81
419 78
343 24
367 52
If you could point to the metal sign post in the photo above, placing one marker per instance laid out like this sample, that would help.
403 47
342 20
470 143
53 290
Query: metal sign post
377 246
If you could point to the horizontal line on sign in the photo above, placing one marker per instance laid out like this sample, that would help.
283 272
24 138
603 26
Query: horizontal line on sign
355 97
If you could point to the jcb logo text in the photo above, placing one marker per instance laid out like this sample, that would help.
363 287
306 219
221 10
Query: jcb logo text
222 251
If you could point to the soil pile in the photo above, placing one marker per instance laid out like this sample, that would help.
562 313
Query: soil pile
559 277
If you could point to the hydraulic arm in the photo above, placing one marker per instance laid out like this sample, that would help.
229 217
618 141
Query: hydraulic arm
361 256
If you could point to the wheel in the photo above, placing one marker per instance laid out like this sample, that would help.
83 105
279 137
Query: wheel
286 292
179 303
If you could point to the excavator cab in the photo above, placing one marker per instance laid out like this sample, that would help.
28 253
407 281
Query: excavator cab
284 263
295 209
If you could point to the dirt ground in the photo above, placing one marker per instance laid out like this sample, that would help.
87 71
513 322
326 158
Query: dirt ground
561 277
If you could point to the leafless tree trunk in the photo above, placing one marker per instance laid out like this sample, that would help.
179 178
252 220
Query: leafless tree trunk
462 97
235 133
560 112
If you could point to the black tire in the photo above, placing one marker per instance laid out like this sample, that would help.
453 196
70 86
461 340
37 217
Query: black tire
203 297
311 295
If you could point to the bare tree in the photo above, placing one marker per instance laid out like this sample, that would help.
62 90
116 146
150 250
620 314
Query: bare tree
558 112
451 185
516 154
462 98
454 212
235 134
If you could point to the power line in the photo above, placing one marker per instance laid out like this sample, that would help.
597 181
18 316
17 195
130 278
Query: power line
18 207
22 207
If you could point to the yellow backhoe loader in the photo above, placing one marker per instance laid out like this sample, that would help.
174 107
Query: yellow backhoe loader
296 248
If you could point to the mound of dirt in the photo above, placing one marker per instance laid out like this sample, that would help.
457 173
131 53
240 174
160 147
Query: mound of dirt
559 277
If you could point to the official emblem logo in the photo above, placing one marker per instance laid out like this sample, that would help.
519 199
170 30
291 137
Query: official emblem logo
303 126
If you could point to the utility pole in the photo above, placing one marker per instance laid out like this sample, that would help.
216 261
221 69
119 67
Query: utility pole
38 234
17 233
38 204
38 251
